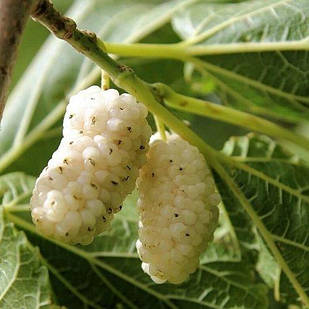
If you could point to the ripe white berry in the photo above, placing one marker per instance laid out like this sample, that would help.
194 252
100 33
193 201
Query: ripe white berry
177 209
105 140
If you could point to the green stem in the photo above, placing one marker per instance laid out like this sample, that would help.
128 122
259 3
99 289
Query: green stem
18 208
160 127
167 51
104 80
230 115
182 49
183 52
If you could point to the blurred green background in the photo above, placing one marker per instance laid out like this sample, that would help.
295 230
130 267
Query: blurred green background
33 38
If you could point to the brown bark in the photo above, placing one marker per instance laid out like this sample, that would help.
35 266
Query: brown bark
13 17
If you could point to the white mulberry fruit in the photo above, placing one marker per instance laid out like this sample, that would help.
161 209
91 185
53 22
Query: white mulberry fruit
105 140
177 210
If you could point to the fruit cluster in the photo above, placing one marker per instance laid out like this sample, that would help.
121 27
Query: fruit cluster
104 152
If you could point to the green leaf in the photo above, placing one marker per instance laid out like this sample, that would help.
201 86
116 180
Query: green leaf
36 105
269 79
24 280
108 272
275 184
268 268
111 261
15 188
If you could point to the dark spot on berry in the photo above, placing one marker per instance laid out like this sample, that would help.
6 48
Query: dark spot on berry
152 174
93 120
71 142
171 161
141 147
187 234
91 98
71 116
93 186
176 215
110 150
129 129
119 142
65 161
37 220
120 207
81 132
104 219
92 162
109 210
125 178
180 168
53 203
114 182
67 234
75 197
121 108
89 229
60 169
50 178
128 167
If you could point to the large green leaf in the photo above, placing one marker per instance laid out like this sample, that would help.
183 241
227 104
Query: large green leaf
112 263
108 272
269 81
38 101
23 279
276 185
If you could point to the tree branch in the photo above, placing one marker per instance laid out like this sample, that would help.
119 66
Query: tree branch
13 17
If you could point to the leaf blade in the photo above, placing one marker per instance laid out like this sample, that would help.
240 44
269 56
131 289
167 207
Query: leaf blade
258 61
277 214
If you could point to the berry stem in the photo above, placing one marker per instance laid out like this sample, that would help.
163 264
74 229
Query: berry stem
105 83
160 127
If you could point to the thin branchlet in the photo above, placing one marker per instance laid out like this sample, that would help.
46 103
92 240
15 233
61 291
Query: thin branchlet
83 41
61 26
